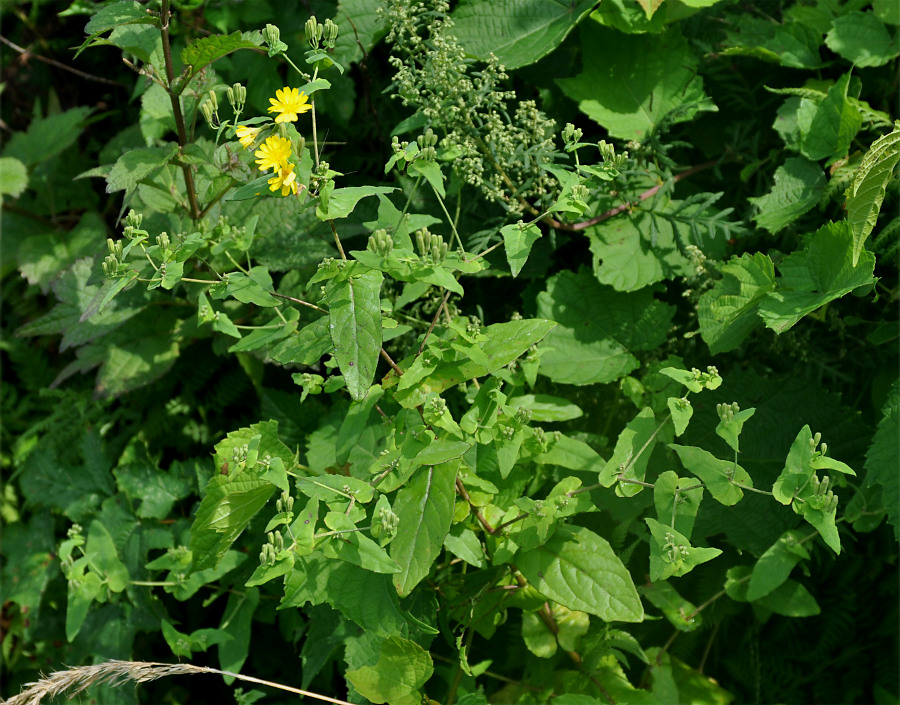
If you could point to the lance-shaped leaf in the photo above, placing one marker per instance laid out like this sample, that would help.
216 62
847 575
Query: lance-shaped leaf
579 570
776 564
719 476
517 241
425 508
868 188
355 322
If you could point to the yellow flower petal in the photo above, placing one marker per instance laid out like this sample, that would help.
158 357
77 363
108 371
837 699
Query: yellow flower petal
273 153
289 103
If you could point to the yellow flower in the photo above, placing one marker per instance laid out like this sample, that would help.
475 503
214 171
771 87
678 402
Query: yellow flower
284 179
273 153
246 135
289 104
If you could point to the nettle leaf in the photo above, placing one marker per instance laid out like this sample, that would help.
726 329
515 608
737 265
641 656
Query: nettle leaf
202 52
355 322
719 476
646 79
798 187
628 259
579 570
156 490
727 313
518 35
671 554
793 44
403 667
776 564
811 278
827 127
881 458
425 509
46 137
517 241
598 329
866 193
138 164
115 15
862 39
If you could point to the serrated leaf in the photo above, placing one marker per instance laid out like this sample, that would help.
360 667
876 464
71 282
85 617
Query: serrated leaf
866 193
402 669
776 564
516 34
862 39
829 126
598 329
46 137
156 490
821 273
342 201
355 324
727 313
425 509
798 187
517 241
202 52
881 458
646 80
717 475
579 570
138 164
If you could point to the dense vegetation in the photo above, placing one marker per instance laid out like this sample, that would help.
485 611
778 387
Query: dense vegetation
476 352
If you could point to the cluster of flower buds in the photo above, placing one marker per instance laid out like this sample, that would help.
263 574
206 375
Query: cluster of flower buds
608 152
239 454
272 37
237 96
827 501
380 242
814 443
385 523
726 412
163 241
431 245
210 110
427 143
571 135
285 503
523 415
318 34
111 263
271 549
434 411
672 551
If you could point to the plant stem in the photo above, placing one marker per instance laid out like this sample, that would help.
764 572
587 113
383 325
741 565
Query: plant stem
176 109
298 301
337 240
388 360
437 314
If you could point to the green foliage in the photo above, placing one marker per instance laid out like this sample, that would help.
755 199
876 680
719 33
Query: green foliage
333 432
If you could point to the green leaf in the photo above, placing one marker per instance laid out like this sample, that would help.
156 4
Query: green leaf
355 547
138 164
13 177
881 458
545 407
354 424
798 187
537 636
797 469
776 564
681 411
682 614
46 137
671 554
809 279
306 347
730 430
829 125
154 489
517 241
517 34
402 669
632 453
862 39
598 328
432 173
425 509
628 258
866 193
355 323
80 596
716 474
579 570
675 506
646 80
790 599
115 14
342 201
794 44
252 289
103 556
202 52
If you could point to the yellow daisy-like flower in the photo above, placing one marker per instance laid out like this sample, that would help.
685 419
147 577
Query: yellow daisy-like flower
284 179
289 104
246 135
273 153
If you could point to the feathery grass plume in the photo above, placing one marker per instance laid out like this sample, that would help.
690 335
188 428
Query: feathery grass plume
117 673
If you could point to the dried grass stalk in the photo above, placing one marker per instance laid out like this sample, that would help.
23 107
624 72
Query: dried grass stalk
117 673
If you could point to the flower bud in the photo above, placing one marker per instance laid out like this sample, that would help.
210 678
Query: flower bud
133 219
214 100
313 31
330 34
209 114
271 35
